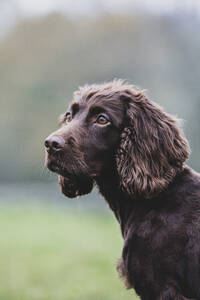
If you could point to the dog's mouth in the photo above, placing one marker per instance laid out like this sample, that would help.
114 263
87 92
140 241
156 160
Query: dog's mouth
72 183
53 167
77 186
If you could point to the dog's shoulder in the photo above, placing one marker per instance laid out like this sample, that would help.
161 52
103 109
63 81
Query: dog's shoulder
185 189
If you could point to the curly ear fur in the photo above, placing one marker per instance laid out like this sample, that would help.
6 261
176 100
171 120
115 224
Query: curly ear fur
152 149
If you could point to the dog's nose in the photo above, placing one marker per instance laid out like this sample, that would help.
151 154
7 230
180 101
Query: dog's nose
54 143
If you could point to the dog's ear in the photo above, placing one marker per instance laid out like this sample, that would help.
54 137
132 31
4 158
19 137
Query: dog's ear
152 148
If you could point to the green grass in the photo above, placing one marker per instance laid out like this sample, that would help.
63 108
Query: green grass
57 254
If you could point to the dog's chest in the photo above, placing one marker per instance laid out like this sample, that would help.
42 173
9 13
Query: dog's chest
150 249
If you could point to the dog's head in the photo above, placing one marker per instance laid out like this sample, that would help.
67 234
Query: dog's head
110 126
87 140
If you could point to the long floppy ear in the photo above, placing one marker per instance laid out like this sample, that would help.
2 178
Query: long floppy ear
152 148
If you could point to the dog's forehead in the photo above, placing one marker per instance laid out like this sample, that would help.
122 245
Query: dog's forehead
110 105
89 100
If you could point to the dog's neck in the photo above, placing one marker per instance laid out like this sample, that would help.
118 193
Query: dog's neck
120 204
125 207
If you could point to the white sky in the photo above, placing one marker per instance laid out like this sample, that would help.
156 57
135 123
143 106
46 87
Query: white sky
11 10
36 7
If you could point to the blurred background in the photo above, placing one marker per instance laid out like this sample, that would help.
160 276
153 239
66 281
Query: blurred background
51 247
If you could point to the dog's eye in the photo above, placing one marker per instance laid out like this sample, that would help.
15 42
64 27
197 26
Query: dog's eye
102 120
68 117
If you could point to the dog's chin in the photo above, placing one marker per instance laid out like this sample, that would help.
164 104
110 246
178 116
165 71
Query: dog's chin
75 186
72 185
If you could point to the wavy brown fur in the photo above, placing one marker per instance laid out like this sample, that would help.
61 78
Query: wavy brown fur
152 149
137 159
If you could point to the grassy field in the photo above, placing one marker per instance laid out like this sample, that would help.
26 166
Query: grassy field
59 254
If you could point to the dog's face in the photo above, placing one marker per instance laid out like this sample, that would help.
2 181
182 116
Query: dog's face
86 143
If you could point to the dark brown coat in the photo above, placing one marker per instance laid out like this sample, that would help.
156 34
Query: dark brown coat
114 136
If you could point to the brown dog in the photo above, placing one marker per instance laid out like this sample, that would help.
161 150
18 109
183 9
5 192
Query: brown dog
115 136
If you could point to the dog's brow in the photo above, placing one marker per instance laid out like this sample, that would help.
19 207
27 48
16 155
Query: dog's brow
75 108
96 109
